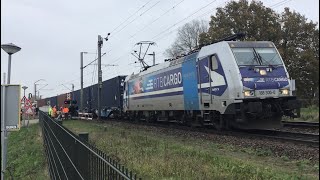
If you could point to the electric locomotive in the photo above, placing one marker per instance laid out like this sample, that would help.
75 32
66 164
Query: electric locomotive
242 84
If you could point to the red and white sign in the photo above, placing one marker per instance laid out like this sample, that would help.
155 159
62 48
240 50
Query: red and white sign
68 96
27 105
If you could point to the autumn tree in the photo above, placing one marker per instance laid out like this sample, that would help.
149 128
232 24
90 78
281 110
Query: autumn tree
257 21
299 48
187 38
295 37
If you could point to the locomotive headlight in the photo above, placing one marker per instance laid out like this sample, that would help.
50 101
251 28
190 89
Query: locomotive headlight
284 91
248 93
263 72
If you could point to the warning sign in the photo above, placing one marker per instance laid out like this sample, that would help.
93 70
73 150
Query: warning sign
27 105
68 96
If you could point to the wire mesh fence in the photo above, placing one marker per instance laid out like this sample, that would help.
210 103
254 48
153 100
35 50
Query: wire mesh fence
70 156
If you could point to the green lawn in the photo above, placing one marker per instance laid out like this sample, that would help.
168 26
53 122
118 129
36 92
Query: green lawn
26 158
310 114
160 156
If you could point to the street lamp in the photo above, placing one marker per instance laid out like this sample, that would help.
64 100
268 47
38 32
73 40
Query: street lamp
10 49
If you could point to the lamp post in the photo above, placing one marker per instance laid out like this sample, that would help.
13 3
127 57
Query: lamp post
10 49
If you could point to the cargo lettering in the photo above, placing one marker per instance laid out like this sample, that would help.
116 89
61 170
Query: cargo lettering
167 80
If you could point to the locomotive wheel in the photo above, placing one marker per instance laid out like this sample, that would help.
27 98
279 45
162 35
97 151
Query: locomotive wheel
220 123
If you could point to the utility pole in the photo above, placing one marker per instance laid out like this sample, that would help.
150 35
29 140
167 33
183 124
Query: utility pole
72 95
35 89
81 81
35 92
72 91
100 42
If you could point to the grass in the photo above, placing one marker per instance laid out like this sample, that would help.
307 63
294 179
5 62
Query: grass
159 156
26 158
310 114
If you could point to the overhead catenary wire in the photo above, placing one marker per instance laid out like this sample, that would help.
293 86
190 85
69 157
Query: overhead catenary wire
160 37
153 21
279 3
184 19
170 32
119 58
130 16
135 18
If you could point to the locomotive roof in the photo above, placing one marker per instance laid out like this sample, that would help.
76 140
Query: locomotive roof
163 65
255 44
232 44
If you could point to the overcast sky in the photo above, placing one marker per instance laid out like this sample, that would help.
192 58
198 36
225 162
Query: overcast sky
53 33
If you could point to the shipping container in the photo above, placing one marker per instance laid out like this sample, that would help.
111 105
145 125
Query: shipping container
41 102
53 101
111 95
112 92
61 98
76 97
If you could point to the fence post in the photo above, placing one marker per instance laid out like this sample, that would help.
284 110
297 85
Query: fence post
82 155
84 136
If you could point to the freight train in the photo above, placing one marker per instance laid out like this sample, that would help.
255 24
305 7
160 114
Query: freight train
242 84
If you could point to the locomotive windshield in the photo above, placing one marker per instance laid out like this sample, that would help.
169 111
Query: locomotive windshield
257 56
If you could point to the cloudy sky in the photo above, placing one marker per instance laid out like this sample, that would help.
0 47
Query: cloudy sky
53 33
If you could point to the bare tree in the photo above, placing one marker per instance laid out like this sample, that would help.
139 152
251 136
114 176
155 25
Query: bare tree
188 38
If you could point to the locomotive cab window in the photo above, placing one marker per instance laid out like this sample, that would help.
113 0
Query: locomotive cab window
213 63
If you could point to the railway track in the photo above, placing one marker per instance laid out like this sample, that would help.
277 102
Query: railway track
304 138
301 124
301 138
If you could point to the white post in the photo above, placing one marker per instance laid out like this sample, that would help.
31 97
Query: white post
3 135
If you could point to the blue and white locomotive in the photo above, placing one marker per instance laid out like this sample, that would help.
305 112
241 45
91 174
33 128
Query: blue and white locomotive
230 83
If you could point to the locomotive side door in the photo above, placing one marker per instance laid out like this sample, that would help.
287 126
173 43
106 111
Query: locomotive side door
205 67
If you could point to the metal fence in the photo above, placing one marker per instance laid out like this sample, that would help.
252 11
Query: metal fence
70 156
